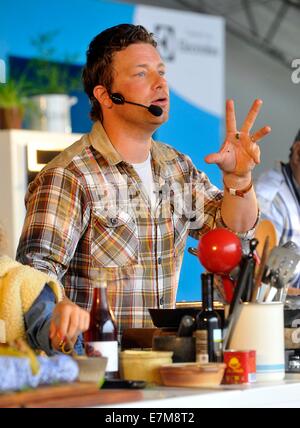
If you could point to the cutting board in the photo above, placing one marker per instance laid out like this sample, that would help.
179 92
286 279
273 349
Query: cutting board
76 394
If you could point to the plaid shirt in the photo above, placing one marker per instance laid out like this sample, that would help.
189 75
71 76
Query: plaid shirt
279 202
89 219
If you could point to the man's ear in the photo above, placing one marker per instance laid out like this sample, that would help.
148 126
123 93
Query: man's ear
297 151
102 95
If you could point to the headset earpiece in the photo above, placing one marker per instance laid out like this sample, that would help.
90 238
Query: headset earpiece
117 98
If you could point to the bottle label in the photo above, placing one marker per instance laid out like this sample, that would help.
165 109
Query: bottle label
201 346
107 349
218 343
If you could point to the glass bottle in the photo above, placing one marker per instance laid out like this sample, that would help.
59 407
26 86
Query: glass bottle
208 325
101 339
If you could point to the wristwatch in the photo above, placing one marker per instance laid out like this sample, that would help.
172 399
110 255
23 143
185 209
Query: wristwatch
238 192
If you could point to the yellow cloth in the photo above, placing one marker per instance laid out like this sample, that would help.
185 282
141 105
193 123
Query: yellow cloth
20 285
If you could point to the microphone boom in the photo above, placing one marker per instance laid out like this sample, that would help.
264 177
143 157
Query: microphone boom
153 109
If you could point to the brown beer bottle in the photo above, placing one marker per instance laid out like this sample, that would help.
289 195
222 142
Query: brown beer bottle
101 339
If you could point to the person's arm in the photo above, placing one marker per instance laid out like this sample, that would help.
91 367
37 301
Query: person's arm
240 214
41 329
237 157
37 321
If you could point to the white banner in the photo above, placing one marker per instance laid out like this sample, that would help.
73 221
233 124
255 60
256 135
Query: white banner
192 46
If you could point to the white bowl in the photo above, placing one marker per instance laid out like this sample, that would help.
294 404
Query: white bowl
91 369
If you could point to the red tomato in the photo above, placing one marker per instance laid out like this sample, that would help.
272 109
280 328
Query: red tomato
219 251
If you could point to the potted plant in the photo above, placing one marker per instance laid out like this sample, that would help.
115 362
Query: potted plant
12 104
52 84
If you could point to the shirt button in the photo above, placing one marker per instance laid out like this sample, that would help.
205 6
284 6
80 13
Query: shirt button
159 260
113 221
161 301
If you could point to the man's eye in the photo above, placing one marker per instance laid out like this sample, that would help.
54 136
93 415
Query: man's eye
141 74
162 73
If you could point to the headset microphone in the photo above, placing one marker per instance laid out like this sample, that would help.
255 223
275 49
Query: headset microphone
119 99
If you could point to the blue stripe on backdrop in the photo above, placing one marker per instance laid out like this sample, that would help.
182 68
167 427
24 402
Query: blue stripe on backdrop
195 133
75 21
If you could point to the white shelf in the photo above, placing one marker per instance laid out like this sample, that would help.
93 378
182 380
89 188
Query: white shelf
16 146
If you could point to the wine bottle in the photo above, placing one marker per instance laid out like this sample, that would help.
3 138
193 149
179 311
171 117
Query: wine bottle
101 339
208 326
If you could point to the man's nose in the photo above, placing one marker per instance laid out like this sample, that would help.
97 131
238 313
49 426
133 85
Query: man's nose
160 82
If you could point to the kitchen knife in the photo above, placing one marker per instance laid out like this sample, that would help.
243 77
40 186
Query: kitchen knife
261 269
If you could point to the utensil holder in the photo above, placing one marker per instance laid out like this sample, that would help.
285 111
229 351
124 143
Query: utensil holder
261 327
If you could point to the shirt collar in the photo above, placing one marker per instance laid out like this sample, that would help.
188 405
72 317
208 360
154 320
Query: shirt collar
297 186
100 141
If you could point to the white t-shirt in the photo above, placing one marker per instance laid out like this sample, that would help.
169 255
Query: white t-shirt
144 171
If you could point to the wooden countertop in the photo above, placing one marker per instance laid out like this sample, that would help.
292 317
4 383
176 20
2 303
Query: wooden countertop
68 395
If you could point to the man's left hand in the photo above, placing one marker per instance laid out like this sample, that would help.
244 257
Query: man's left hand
240 151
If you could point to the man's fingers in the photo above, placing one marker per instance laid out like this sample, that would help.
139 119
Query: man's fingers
214 158
230 117
251 116
257 136
254 152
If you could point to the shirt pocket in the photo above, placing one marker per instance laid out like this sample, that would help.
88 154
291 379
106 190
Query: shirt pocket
115 240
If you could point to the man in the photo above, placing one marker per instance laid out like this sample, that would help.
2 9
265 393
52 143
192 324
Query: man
110 207
278 192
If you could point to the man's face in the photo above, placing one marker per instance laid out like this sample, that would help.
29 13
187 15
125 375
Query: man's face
139 75
296 153
295 160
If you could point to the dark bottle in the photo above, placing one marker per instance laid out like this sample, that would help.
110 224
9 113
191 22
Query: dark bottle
101 339
208 326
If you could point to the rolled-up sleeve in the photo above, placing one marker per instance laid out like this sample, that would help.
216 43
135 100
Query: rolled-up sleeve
54 221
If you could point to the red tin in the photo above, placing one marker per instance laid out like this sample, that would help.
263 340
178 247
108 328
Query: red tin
240 366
